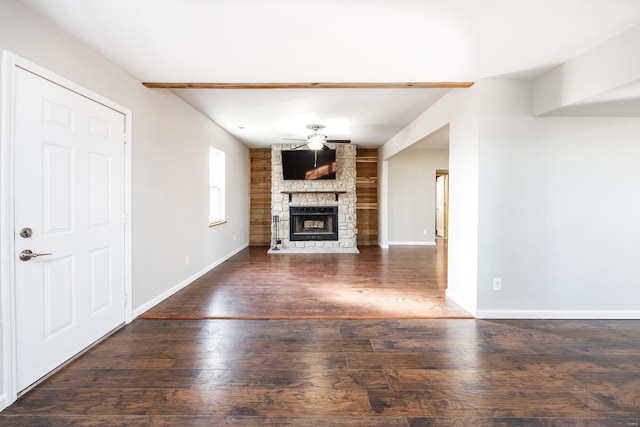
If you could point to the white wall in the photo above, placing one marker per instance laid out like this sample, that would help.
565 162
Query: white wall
170 160
595 74
558 210
412 195
171 208
462 268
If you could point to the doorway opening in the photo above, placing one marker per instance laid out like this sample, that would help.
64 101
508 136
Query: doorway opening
442 204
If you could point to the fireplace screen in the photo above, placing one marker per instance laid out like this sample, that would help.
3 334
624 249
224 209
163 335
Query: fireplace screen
313 223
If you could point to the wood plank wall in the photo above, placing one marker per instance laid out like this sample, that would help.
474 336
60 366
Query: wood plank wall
260 197
367 193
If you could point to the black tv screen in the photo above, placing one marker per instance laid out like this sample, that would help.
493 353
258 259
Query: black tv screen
308 164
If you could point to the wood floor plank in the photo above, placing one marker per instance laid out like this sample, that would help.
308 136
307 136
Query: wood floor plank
89 361
493 403
240 360
450 329
578 363
161 349
124 378
431 361
276 329
230 402
523 422
292 379
427 345
479 379
198 421
292 345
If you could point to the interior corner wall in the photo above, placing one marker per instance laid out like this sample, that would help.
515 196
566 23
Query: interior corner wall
558 209
169 160
459 109
412 195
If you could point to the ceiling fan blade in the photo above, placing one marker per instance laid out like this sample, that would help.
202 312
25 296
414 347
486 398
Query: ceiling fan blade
299 146
338 141
324 147
293 139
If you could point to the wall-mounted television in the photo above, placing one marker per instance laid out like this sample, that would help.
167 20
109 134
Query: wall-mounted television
308 164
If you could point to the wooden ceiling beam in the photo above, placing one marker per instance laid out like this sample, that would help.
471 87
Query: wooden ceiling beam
408 85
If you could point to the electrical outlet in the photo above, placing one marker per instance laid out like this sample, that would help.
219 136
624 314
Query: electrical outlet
497 283
187 260
424 232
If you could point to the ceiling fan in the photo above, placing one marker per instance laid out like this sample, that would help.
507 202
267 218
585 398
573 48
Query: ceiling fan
317 141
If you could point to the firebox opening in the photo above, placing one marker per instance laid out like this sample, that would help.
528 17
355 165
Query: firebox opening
313 223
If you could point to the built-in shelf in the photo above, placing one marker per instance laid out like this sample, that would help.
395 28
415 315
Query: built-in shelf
367 159
367 180
367 196
291 193
366 206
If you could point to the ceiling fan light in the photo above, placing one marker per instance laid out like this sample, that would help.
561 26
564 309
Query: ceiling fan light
315 145
316 138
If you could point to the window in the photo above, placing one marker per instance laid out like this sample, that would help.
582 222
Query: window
216 186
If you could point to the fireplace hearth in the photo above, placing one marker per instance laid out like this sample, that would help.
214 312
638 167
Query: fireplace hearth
309 223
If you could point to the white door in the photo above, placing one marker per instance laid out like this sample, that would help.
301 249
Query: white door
441 217
69 192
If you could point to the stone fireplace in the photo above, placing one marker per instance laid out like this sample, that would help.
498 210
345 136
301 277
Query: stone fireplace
315 215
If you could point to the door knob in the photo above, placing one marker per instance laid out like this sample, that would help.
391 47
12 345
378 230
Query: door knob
26 255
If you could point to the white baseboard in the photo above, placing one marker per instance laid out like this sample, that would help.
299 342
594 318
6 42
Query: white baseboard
383 245
559 314
186 282
403 243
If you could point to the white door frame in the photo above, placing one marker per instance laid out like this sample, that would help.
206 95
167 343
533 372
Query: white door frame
10 61
445 201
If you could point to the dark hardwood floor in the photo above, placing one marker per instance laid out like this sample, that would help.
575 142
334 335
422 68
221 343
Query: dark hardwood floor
340 371
402 282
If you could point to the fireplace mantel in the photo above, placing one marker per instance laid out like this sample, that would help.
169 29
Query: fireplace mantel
291 193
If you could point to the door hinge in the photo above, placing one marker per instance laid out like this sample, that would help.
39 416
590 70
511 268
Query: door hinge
124 219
